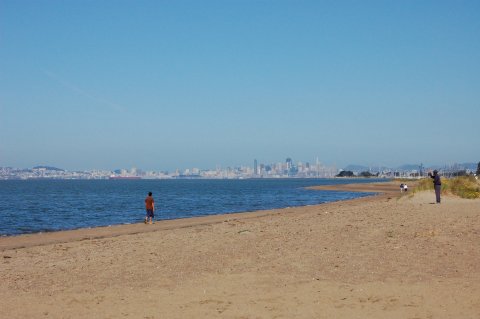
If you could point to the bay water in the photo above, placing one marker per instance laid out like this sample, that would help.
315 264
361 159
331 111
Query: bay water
31 206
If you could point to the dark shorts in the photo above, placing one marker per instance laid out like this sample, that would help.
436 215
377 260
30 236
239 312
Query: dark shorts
150 213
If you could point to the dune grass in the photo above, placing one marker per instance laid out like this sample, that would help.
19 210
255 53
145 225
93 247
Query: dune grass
464 186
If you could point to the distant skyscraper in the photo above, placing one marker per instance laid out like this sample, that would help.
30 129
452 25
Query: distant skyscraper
289 163
255 167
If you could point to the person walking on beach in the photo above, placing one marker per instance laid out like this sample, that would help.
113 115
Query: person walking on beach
150 208
437 184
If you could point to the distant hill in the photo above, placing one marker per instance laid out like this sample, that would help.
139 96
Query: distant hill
49 168
356 168
457 166
470 166
409 167
362 168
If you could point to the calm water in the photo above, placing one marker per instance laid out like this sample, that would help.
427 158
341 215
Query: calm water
49 205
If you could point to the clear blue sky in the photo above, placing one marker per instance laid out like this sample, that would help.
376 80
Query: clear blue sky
175 84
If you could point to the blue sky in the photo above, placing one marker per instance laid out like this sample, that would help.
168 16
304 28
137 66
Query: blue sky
161 85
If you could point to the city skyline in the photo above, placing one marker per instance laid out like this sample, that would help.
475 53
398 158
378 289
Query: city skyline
260 168
170 84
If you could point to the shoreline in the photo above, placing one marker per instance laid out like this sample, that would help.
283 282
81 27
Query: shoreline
385 256
63 236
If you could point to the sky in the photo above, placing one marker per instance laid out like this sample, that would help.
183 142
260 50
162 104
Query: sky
160 85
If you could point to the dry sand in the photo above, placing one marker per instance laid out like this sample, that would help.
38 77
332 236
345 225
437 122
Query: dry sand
380 257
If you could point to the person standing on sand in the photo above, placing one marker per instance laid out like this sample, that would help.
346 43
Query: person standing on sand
437 184
150 208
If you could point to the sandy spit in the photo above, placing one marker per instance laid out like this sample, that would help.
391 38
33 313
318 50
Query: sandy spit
386 256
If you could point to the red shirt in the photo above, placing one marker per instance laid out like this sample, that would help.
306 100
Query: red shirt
149 202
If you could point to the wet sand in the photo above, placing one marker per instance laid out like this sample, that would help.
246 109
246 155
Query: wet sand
385 256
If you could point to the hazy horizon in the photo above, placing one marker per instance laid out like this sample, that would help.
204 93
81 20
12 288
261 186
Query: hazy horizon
348 166
161 85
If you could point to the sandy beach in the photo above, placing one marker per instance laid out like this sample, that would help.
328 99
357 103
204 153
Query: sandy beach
385 256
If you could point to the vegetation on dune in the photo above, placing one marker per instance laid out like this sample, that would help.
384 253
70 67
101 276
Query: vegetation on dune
463 186
424 184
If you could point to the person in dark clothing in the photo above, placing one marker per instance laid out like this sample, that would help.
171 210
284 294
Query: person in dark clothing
437 184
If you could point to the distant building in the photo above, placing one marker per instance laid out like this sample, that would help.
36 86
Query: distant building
289 163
